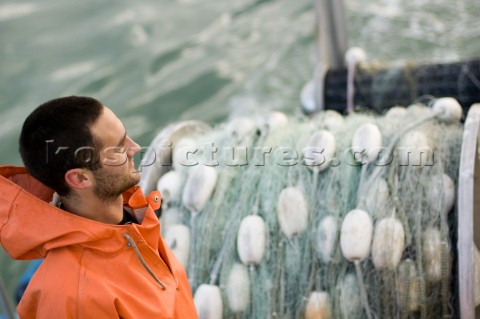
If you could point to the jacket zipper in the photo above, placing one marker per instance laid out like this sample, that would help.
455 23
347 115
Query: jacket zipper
131 243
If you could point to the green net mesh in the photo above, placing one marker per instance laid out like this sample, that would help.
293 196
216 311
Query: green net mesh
270 160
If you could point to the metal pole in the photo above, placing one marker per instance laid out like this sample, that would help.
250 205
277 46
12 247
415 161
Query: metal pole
4 302
468 183
331 33
331 44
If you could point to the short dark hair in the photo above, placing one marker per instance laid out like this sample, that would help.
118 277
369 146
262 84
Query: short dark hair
56 137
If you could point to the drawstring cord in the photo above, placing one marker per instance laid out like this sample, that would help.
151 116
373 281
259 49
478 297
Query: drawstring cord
131 243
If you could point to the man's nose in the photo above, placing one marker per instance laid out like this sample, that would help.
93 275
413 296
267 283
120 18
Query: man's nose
132 147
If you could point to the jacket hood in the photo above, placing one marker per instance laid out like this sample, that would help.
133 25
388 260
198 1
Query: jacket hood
30 226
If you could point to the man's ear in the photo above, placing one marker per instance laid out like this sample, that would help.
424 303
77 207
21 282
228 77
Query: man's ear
78 178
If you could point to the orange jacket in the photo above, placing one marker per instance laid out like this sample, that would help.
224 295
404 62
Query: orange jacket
90 269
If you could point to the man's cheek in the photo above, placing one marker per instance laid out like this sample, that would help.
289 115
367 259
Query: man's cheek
113 158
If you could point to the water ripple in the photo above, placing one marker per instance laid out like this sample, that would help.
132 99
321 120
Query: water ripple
15 10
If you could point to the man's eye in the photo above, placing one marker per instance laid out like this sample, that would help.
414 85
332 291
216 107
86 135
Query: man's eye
120 150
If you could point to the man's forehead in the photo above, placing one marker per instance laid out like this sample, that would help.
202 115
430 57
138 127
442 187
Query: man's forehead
108 128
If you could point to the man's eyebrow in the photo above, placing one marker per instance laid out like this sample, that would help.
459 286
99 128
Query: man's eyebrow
123 139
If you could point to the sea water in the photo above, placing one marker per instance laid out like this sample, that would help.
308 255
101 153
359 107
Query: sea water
158 61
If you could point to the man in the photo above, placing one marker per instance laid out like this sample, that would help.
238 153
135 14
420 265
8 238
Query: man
103 253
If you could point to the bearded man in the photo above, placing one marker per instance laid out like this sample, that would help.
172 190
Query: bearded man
103 253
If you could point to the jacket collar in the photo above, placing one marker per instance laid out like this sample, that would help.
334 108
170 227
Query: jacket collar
30 226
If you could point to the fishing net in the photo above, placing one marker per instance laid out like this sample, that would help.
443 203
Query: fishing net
408 185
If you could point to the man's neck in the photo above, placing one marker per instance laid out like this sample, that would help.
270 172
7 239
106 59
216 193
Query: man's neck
92 207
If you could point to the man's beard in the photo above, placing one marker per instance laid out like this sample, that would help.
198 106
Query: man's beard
109 186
